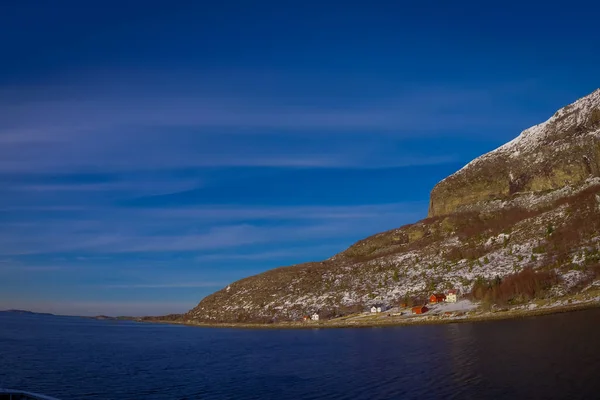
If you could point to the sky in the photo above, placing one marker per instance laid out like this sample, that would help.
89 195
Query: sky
153 152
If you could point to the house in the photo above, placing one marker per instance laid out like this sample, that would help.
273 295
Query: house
377 308
437 298
305 318
419 310
452 296
314 317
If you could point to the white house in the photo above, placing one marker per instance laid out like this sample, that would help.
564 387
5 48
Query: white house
314 317
374 309
452 295
378 308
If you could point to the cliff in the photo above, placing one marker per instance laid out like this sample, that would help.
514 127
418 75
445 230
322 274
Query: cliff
564 150
532 203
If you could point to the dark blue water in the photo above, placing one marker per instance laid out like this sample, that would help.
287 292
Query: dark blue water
551 357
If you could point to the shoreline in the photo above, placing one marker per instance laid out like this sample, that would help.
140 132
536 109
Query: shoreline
391 321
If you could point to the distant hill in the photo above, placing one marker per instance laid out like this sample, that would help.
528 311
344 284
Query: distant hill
170 317
24 312
98 317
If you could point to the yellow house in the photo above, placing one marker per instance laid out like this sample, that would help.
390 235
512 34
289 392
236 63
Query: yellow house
452 296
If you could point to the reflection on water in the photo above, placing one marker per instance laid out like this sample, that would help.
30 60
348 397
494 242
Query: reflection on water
544 357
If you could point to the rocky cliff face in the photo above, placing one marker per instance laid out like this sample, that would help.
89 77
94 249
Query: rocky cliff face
534 202
564 150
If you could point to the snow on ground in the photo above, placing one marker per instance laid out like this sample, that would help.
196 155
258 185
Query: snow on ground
460 306
572 278
501 238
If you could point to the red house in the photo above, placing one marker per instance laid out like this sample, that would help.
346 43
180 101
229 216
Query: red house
437 298
419 310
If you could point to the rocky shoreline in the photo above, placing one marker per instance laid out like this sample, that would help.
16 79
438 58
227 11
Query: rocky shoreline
474 316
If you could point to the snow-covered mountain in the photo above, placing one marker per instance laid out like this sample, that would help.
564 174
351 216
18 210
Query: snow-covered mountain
534 202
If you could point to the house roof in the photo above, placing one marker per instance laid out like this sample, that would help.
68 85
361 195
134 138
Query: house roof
452 291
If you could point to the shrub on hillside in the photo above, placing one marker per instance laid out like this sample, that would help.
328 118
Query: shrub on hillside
515 288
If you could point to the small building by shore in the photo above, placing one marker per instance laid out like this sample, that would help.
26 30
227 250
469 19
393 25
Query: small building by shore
419 310
452 296
437 298
377 308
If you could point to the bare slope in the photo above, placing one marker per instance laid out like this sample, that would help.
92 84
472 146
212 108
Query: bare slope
534 202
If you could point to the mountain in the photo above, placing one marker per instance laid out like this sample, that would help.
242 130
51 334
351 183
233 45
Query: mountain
526 214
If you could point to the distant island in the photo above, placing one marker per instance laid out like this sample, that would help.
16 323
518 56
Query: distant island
25 312
98 317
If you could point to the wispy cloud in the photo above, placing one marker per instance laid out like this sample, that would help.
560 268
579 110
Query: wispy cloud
42 268
408 111
86 128
45 208
270 255
165 285
219 238
197 229
124 186
214 212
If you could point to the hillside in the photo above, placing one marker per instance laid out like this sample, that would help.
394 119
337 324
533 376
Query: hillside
532 203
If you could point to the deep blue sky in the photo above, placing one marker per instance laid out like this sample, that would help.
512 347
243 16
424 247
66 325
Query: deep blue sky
152 153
